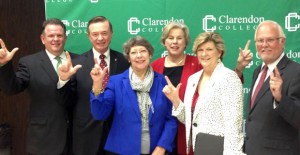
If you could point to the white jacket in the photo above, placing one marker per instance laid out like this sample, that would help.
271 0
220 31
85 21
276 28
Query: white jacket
218 111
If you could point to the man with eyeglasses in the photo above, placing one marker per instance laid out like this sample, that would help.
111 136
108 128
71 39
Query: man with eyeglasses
267 40
273 111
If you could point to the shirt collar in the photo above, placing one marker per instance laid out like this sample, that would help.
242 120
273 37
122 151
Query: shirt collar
97 54
51 56
272 65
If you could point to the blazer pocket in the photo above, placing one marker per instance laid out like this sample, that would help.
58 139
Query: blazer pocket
38 128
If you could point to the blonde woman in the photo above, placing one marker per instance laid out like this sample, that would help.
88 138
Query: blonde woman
213 102
178 66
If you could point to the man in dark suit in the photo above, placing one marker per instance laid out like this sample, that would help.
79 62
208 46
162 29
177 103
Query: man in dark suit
36 73
89 135
273 114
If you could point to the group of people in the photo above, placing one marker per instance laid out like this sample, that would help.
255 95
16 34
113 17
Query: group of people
105 102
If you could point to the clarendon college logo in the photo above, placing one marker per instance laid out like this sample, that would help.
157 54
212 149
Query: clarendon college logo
227 23
75 26
292 22
130 22
147 24
67 24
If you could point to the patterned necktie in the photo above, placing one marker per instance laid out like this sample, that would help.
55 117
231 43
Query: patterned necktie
259 85
103 64
58 59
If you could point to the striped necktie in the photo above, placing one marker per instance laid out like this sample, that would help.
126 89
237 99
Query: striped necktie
58 59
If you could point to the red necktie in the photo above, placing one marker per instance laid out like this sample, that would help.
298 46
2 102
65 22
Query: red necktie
103 64
259 85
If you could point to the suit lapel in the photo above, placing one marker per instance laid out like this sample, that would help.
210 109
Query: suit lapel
113 62
131 94
266 86
282 64
153 91
47 66
193 88
210 86
255 76
89 60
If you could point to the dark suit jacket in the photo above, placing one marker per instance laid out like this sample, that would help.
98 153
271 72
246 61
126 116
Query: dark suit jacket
48 121
89 136
272 131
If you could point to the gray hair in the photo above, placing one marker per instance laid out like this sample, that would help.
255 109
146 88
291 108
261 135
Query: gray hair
279 28
137 41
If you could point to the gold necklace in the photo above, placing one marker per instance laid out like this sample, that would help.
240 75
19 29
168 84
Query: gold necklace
178 63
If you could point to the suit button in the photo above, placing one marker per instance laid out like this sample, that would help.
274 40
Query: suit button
247 138
150 124
249 119
195 124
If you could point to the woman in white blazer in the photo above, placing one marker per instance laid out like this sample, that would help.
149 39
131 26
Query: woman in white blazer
213 102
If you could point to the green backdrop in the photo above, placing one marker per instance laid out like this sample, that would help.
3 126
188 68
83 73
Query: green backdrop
235 20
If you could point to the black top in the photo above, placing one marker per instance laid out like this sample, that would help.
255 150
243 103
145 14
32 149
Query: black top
174 74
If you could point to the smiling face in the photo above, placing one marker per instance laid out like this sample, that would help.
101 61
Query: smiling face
54 39
175 43
100 35
269 43
139 58
208 55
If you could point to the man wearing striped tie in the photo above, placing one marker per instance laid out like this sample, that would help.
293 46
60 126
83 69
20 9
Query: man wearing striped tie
48 118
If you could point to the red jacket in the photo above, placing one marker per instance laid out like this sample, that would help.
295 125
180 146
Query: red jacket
190 67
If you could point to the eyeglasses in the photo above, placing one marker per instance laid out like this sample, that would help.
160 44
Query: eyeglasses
269 41
141 52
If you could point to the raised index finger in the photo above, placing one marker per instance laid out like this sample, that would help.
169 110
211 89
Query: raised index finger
247 45
168 81
68 57
277 73
2 44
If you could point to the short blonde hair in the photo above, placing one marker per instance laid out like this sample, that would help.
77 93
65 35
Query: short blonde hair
173 25
210 36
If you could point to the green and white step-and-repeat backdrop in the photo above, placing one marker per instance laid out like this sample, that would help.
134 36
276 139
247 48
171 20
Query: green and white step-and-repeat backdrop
235 20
